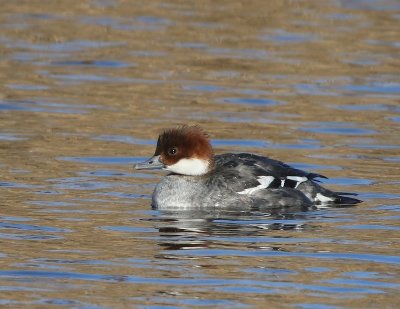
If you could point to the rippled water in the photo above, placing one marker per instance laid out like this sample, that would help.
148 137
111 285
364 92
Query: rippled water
85 89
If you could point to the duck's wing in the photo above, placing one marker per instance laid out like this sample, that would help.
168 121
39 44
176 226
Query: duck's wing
250 174
252 168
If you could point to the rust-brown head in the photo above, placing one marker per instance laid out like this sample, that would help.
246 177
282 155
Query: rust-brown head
184 150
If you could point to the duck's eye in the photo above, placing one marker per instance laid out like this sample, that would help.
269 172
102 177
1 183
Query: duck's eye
172 151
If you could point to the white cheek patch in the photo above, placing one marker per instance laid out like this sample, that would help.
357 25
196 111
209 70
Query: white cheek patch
192 167
264 181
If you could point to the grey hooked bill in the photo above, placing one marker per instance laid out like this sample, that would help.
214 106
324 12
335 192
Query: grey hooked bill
152 163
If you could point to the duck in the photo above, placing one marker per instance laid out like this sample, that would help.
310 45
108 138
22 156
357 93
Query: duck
197 178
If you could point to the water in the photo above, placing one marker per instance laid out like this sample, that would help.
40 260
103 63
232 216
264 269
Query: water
86 88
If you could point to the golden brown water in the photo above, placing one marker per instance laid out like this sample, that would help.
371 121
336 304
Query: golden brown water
86 86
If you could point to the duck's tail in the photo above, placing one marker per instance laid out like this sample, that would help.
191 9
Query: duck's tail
320 195
344 198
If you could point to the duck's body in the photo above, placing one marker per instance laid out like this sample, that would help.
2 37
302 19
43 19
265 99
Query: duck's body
199 179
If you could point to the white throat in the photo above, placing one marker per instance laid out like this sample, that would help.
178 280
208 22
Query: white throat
192 167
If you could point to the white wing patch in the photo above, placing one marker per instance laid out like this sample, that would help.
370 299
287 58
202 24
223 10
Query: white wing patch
264 181
323 199
299 179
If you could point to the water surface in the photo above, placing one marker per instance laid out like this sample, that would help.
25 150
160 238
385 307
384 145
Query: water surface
85 89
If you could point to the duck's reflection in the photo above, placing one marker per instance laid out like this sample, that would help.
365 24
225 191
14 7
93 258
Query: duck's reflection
200 229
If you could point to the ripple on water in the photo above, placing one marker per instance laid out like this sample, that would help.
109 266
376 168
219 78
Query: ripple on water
337 128
173 301
337 256
77 183
52 203
124 139
35 16
131 197
27 87
191 45
347 181
36 57
104 160
375 89
220 89
314 90
372 88
313 166
92 63
375 195
20 231
246 117
280 36
63 47
367 107
42 105
12 136
140 23
148 53
28 227
239 53
395 119
250 101
128 229
357 282
366 275
65 302
82 78
113 174
303 144
9 184
378 5
234 284
364 59
370 227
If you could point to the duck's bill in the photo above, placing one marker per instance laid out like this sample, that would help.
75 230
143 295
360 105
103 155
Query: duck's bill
152 163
